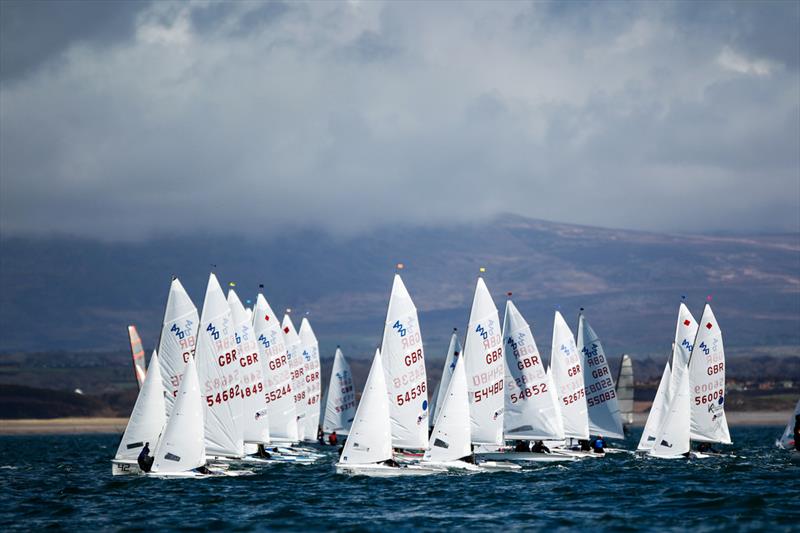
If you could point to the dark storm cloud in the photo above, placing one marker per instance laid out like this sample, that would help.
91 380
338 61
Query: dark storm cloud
33 32
254 117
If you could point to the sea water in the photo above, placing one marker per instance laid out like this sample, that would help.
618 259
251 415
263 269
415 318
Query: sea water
65 482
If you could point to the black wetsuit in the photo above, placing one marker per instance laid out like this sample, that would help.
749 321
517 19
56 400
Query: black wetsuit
144 459
539 447
797 433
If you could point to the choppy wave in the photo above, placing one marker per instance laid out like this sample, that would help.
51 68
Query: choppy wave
65 481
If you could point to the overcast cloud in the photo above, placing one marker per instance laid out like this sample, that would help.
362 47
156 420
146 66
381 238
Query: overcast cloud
119 120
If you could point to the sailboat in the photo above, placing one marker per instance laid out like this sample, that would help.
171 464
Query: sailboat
145 423
453 353
313 379
531 407
278 391
786 441
340 405
368 450
696 410
178 340
403 360
181 448
218 363
567 369
485 368
625 390
657 412
601 396
255 420
137 352
295 358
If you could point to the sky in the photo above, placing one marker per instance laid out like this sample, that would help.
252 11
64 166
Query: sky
125 120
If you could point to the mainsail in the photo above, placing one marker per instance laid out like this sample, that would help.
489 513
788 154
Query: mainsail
312 377
295 358
530 410
625 389
672 438
787 438
450 439
370 439
453 355
255 422
177 343
601 396
483 355
657 413
278 377
340 406
218 363
403 360
182 445
137 352
148 416
707 382
567 370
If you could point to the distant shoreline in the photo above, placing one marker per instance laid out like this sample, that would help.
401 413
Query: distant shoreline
89 425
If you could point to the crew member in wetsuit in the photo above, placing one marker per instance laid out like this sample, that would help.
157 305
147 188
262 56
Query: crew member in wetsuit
262 452
599 445
585 446
539 447
202 470
469 459
333 439
797 433
521 446
144 459
705 447
392 463
320 435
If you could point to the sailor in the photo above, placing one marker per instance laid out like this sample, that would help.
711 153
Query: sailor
202 470
705 447
599 445
320 435
797 432
333 439
262 452
585 446
521 446
392 463
469 459
144 459
539 447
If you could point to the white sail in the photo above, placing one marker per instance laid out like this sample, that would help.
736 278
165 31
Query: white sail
531 407
217 357
625 389
451 438
178 340
657 412
148 416
672 438
295 357
567 369
404 363
707 382
370 439
685 333
787 438
182 445
255 422
483 355
601 395
340 406
277 371
313 378
432 407
453 355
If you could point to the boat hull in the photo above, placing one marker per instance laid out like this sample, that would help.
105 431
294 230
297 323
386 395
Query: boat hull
528 457
125 468
379 470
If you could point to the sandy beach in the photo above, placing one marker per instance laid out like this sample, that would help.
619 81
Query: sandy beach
78 426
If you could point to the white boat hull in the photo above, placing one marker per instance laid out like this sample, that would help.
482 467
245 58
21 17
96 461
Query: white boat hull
528 457
381 470
121 467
